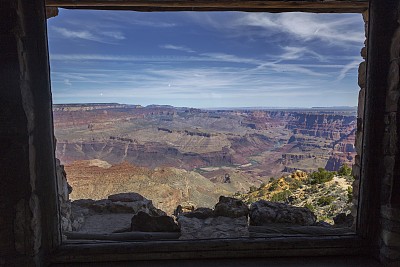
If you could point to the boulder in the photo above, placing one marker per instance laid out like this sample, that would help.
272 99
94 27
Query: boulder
199 213
97 216
144 222
230 207
265 212
120 203
126 197
213 227
343 220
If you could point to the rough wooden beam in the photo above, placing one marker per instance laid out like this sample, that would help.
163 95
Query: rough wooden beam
340 6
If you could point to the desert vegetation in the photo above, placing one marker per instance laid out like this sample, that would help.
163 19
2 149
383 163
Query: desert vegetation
326 193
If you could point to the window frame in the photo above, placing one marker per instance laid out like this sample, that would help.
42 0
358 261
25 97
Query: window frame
359 243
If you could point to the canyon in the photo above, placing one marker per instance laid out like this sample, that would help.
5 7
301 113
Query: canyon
188 156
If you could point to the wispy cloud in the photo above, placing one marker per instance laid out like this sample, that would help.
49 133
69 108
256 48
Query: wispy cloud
114 34
294 53
245 64
108 37
76 34
333 29
347 68
67 82
306 26
221 59
155 24
176 47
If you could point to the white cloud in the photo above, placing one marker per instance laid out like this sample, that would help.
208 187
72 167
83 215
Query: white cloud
176 47
335 29
114 34
108 37
76 34
67 82
306 26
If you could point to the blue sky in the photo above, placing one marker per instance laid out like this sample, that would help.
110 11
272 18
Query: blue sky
205 59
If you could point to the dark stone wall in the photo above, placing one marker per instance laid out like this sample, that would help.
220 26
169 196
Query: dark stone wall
27 184
389 238
379 202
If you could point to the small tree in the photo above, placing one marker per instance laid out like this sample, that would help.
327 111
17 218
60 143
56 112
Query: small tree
321 176
344 170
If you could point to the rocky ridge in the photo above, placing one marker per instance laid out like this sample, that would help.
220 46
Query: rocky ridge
326 199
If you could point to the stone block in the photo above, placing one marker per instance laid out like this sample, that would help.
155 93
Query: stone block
390 239
390 253
213 227
391 226
392 97
392 101
360 108
385 194
365 16
359 142
362 68
230 207
146 223
354 210
388 163
390 135
51 12
393 264
364 52
356 188
390 213
356 170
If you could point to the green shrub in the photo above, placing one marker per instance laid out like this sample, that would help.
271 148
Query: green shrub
344 170
321 176
310 207
262 192
252 189
325 200
273 187
295 184
313 189
281 196
349 194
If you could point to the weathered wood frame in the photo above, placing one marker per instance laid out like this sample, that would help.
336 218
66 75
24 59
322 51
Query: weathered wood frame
338 6
364 242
